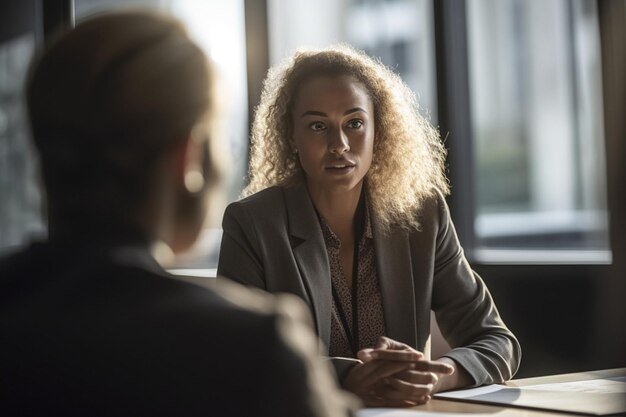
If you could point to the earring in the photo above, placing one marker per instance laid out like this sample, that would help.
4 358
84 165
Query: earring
194 180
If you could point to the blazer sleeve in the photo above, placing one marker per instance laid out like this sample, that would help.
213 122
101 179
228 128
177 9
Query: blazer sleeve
239 251
465 311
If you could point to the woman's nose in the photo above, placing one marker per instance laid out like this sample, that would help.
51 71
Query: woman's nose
339 143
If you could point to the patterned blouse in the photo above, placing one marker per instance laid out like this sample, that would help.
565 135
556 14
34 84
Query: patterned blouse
369 302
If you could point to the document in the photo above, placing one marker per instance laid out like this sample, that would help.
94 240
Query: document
597 386
601 396
394 412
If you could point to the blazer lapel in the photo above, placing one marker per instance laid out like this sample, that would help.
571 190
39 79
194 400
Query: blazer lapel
310 253
393 259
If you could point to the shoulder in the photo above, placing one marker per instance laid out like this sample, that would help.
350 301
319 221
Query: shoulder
268 197
280 326
433 213
285 307
434 202
268 210
22 267
233 306
13 258
269 200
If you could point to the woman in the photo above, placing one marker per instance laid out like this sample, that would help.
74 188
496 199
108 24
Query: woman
121 108
346 209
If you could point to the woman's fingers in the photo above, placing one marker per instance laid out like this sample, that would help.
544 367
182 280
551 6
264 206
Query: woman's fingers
387 343
397 355
400 393
416 377
420 372
417 358
365 355
433 366
364 376
390 383
371 372
402 390
394 375
391 350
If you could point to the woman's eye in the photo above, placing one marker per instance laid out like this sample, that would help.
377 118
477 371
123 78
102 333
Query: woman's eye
355 124
317 126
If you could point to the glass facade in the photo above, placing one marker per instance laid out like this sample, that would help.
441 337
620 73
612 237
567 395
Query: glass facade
538 135
21 211
217 26
399 32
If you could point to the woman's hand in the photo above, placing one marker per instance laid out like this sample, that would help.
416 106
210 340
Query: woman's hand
394 374
372 381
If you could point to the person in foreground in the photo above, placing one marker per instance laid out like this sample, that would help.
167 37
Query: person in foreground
346 209
121 110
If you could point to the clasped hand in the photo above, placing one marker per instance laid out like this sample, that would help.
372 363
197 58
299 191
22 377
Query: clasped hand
393 374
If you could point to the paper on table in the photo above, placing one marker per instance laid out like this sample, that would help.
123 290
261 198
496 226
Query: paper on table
472 392
597 396
596 386
394 412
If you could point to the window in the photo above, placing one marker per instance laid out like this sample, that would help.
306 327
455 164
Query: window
398 32
216 25
20 211
538 134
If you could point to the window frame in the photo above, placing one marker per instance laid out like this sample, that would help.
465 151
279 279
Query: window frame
455 125
568 316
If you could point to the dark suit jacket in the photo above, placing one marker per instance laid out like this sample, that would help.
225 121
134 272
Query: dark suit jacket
272 240
105 331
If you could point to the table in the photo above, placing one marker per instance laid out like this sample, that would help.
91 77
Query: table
445 408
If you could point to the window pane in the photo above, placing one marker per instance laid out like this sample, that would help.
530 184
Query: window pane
538 129
399 32
20 210
218 27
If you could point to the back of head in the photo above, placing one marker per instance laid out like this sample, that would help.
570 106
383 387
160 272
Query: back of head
106 102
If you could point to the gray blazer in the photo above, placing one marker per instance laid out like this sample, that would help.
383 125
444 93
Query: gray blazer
272 240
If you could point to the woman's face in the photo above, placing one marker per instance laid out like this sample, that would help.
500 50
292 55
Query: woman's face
333 119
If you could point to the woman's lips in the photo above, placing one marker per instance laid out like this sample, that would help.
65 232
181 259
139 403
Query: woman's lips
339 163
340 168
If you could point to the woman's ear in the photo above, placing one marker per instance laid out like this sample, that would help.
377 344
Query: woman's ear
178 161
187 196
189 163
194 179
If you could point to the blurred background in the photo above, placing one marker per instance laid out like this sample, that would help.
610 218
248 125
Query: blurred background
528 94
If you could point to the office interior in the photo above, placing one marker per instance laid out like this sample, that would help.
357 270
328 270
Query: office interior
529 96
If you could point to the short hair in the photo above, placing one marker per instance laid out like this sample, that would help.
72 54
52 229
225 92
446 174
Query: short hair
409 157
106 101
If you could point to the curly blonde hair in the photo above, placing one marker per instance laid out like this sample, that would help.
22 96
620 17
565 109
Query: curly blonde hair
408 160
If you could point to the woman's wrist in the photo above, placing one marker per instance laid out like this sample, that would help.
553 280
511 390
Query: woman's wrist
459 379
